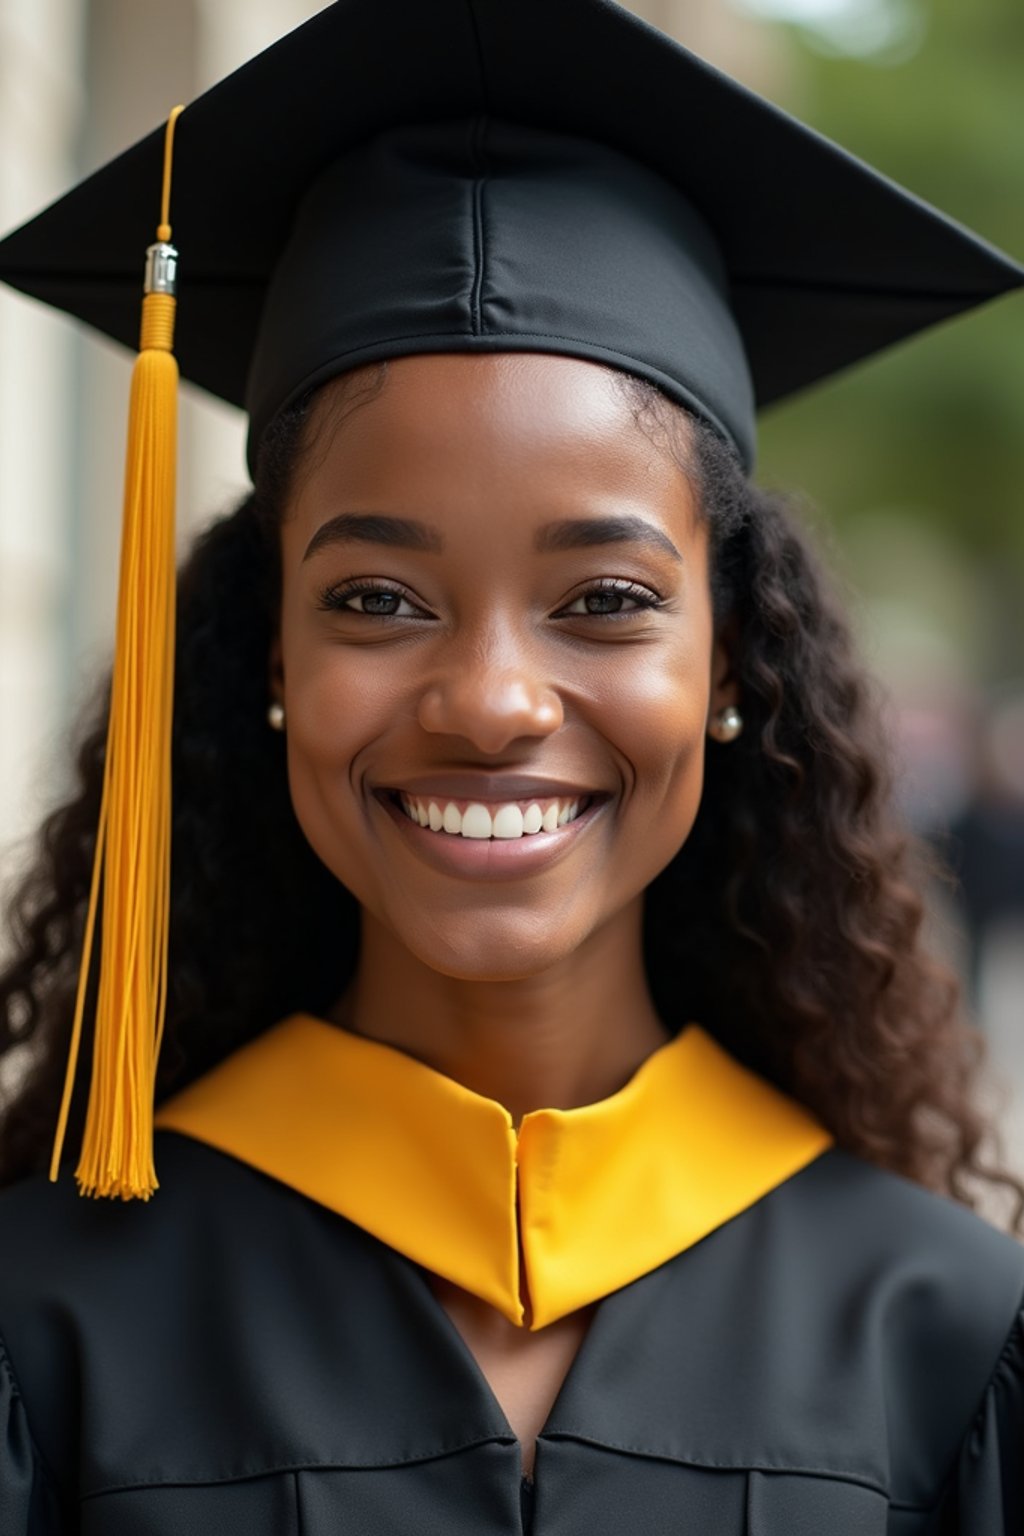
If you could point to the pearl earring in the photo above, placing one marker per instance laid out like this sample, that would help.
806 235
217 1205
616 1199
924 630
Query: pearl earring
275 715
726 725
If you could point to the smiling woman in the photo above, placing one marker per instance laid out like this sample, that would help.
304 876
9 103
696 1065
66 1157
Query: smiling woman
481 671
560 1124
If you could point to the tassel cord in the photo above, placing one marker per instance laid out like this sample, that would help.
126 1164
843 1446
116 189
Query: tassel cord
131 866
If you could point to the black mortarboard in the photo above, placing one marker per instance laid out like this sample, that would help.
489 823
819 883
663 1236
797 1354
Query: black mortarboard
483 175
403 176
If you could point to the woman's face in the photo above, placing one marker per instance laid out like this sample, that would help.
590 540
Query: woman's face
495 593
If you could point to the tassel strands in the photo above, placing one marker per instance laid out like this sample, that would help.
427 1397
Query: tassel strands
133 842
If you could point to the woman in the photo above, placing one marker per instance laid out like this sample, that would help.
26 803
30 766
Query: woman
557 1112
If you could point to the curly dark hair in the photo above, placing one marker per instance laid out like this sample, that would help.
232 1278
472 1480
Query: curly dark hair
790 922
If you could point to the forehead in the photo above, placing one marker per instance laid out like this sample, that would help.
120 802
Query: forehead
523 430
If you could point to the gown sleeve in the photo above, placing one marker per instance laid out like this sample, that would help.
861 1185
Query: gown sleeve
990 1474
28 1499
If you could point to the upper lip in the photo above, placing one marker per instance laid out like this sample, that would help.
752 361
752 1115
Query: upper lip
491 786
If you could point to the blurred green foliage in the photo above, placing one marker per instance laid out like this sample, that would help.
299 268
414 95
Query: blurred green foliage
935 427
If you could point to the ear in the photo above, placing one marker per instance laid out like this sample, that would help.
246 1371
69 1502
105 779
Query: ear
725 684
275 672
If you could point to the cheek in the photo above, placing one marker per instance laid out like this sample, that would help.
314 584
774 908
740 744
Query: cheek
659 716
340 702
339 698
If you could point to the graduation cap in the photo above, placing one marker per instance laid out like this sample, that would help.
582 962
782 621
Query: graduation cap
409 176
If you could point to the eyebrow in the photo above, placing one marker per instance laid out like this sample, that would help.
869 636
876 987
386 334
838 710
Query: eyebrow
408 533
375 528
580 532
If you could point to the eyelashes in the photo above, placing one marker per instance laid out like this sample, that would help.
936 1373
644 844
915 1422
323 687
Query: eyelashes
339 598
383 599
613 589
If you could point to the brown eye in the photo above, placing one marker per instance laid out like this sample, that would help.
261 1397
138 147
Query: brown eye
385 604
609 599
369 599
604 602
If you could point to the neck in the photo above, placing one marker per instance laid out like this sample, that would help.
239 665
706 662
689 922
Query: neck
570 1036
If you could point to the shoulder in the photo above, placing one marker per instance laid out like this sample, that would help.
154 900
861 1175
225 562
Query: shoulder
928 1262
75 1264
851 1252
924 1291
895 1199
211 1224
850 1324
65 1242
879 1219
210 1264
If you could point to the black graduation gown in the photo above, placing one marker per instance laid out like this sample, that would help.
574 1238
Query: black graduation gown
844 1358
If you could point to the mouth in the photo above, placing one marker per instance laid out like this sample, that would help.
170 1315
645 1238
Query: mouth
485 820
490 840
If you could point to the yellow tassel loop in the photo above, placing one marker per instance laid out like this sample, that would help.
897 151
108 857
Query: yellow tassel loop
133 842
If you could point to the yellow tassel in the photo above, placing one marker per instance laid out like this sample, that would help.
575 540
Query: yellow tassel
133 841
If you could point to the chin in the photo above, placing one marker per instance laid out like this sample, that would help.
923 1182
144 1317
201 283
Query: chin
491 947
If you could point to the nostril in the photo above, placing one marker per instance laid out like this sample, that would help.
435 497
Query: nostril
490 710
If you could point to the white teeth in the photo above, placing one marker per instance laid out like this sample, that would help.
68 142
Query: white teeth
508 822
476 821
533 820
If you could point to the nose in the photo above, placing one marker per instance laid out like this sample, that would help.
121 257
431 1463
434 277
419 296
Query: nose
490 698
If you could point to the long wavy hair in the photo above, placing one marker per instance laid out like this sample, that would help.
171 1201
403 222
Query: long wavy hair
789 924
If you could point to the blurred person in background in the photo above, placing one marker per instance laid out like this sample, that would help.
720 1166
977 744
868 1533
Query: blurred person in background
984 843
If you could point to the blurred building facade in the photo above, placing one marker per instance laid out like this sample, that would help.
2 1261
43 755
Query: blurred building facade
79 81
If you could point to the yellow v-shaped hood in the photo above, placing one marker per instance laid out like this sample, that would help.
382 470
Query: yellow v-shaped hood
606 1192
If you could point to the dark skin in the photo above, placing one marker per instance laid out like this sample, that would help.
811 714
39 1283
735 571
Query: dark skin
496 657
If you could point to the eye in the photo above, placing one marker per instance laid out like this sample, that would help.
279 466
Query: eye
608 599
369 599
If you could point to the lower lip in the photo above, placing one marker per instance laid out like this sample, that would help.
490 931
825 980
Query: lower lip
490 858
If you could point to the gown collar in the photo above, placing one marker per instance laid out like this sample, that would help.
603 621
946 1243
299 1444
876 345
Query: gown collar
590 1198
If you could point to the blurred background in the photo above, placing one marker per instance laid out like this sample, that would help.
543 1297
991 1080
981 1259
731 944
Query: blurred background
912 465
